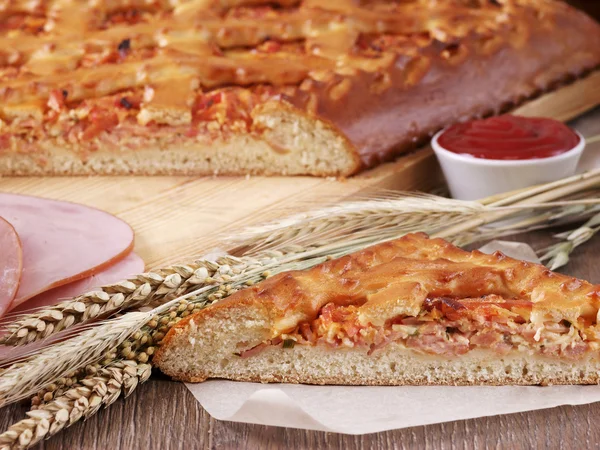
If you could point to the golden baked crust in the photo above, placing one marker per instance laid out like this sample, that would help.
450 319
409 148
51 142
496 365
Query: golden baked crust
397 277
98 78
423 300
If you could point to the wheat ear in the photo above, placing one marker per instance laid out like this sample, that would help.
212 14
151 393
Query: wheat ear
357 219
538 195
81 393
27 376
164 284
389 218
23 379
101 387
557 255
139 348
525 223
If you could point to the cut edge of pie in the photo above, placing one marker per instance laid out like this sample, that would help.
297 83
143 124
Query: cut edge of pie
290 142
414 311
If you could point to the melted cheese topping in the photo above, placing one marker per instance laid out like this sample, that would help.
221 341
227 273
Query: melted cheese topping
180 49
401 277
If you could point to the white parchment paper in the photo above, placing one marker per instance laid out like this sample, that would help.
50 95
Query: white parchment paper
370 409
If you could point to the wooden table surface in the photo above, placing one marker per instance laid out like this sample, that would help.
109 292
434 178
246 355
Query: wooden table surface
162 414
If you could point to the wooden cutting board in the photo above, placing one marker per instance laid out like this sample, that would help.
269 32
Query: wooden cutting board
174 217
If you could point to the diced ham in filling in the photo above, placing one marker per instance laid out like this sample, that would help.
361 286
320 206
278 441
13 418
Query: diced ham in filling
445 326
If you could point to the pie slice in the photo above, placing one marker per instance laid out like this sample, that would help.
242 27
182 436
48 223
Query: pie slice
411 311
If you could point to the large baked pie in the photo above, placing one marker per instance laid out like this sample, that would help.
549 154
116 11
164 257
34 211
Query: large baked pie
410 311
256 86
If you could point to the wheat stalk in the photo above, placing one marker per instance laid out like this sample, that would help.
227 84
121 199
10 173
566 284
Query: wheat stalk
23 379
512 197
411 212
525 223
80 394
101 387
587 181
141 290
389 218
558 254
27 376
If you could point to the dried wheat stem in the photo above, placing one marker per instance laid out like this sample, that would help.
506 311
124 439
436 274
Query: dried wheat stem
558 254
496 198
577 184
411 212
164 284
82 400
26 377
81 394
139 347
526 223
23 379
572 184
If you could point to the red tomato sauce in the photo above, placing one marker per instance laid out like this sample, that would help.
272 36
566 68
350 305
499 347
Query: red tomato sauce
509 138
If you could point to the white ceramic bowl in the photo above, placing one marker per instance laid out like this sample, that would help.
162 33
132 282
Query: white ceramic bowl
471 178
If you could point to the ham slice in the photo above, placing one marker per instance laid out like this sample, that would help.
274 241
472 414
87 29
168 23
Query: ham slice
11 263
125 268
62 242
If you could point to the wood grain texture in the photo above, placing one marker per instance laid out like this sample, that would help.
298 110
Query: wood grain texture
174 216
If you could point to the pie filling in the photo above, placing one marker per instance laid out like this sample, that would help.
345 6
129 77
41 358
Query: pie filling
448 327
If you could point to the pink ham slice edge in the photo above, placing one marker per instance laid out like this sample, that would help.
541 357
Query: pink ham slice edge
11 264
124 269
62 242
131 265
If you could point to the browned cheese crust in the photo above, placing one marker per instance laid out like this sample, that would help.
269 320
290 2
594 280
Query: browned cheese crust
414 278
269 87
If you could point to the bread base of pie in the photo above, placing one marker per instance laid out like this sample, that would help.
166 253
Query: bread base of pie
393 365
283 141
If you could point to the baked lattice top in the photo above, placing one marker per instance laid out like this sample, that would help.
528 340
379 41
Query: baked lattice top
181 62
407 276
